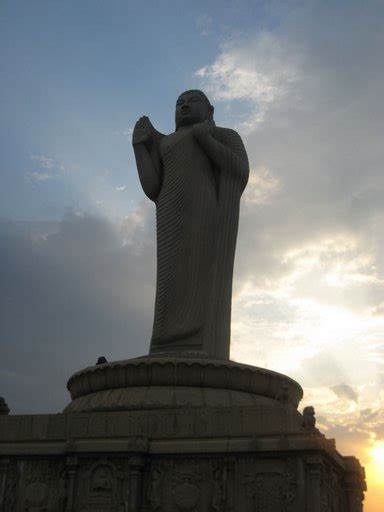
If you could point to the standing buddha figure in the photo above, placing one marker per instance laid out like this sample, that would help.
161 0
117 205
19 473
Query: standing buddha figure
195 176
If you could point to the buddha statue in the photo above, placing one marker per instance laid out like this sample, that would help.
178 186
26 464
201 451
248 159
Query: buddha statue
195 176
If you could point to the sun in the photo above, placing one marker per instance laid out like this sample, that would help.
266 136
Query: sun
377 453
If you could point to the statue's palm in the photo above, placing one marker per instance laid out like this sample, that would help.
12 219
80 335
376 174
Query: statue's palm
143 131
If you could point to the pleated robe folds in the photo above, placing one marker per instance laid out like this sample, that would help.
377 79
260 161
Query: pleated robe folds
197 213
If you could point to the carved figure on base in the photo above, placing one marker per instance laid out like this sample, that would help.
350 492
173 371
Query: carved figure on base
309 419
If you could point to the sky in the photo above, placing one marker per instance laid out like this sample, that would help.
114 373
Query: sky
302 82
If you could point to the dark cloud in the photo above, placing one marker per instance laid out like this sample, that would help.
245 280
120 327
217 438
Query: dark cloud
378 430
367 415
345 392
70 293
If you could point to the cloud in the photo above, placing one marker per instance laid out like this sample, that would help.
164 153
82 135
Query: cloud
317 154
49 168
351 440
204 25
378 310
71 292
45 162
261 71
121 188
262 186
125 132
39 176
345 392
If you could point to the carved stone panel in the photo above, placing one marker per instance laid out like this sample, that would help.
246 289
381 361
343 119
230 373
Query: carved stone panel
331 490
266 485
11 487
189 484
41 486
102 485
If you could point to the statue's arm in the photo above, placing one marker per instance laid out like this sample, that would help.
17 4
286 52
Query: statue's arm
228 152
148 170
145 141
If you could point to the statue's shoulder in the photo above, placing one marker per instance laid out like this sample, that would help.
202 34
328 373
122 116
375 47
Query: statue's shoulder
226 134
231 139
226 131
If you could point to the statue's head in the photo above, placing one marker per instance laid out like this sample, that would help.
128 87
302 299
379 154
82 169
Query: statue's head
193 107
309 411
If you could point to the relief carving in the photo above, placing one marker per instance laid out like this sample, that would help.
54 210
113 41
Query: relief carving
330 491
335 492
186 489
100 486
184 485
154 490
40 489
265 491
102 482
38 475
63 489
220 485
290 482
273 490
36 497
11 487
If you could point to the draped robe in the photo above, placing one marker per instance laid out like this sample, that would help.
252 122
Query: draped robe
197 214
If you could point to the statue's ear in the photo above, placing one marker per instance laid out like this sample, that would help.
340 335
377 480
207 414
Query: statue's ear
212 110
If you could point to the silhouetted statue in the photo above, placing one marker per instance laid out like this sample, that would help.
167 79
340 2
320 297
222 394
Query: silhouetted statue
195 176
309 419
4 409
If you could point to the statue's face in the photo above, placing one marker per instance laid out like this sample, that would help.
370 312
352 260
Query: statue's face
191 108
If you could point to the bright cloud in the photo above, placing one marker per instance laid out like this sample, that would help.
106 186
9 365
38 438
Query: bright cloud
262 186
261 71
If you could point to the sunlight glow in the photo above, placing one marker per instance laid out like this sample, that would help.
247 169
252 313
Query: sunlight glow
377 453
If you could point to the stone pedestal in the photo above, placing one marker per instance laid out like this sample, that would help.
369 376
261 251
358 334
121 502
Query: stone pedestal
168 434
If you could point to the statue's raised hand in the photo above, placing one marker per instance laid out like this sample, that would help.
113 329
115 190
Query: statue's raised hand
202 130
143 131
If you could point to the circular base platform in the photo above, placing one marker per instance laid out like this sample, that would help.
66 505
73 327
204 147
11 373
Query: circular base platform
171 382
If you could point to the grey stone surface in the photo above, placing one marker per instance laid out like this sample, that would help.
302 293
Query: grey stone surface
156 445
173 461
171 435
132 379
196 176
